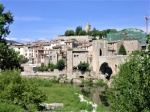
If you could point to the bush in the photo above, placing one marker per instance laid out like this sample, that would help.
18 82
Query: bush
100 83
130 90
43 68
61 64
51 66
6 107
122 50
18 90
83 66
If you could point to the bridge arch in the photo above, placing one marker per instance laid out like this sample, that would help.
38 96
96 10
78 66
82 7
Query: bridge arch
105 69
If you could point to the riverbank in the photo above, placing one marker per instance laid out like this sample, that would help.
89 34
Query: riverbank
65 94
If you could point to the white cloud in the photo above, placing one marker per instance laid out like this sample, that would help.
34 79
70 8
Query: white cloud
27 40
11 38
27 18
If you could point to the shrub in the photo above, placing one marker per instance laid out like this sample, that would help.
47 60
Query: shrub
43 68
51 66
18 90
122 50
61 64
130 90
6 107
83 66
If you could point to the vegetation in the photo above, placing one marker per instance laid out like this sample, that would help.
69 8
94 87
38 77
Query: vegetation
65 94
6 54
69 33
122 50
130 90
61 64
83 67
19 91
79 31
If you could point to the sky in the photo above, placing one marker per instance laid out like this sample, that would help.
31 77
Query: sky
46 19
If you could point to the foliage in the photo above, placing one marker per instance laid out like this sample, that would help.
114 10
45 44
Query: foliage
5 20
83 66
122 50
61 64
8 57
43 68
148 38
65 94
100 83
93 32
18 90
6 107
78 29
69 33
22 59
83 32
130 90
51 66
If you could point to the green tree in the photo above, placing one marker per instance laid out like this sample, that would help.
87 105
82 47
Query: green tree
83 32
20 91
83 66
78 29
61 64
8 57
22 59
5 20
130 90
69 33
122 50
112 31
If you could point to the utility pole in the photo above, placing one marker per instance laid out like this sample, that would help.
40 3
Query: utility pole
146 24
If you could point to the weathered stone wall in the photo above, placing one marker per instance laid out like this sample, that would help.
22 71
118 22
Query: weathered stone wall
79 57
69 64
131 45
113 61
99 49
56 73
78 38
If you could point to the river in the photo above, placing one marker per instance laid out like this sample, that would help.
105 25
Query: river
95 93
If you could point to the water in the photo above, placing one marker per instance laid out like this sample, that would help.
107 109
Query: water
95 93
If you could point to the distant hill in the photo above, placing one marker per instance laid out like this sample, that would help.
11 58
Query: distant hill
13 42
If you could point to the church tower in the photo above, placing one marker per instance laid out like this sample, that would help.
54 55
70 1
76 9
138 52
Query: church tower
87 27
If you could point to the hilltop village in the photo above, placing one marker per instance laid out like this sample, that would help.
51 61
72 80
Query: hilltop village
77 49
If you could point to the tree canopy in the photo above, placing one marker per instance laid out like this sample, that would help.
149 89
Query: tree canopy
5 20
9 59
122 50
130 89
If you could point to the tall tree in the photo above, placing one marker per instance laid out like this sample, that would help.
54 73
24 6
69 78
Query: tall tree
78 30
8 58
6 19
122 50
130 89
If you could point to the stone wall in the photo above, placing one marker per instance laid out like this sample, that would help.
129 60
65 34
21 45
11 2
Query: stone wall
56 73
69 64
113 61
79 57
78 38
132 45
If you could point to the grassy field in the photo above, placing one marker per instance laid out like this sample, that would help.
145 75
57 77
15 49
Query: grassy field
63 93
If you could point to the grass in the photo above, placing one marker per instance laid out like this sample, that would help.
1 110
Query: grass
62 93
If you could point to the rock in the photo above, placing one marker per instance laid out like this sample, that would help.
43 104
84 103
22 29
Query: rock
51 106
77 81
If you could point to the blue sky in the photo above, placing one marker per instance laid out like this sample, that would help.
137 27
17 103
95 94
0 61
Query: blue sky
46 19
